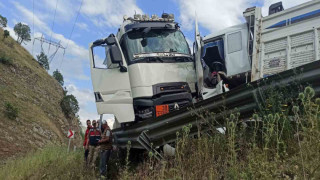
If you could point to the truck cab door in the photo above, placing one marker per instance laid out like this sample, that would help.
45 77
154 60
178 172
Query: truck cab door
197 59
237 58
111 83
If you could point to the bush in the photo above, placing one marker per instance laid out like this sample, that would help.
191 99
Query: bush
5 60
58 76
6 34
12 112
43 60
69 105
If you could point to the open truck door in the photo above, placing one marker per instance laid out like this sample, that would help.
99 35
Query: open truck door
202 69
111 84
197 59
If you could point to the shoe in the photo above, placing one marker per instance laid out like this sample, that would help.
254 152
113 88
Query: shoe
103 177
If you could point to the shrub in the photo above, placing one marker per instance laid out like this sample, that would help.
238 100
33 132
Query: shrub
6 34
58 76
5 60
69 105
12 112
43 60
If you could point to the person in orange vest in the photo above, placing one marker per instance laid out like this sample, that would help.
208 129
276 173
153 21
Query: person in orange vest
93 137
86 150
105 148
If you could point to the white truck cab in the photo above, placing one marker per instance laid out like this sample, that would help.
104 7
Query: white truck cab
149 70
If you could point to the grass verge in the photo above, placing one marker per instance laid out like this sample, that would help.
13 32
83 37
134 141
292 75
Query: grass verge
50 163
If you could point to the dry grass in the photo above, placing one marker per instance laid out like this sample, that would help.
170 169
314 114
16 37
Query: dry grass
285 146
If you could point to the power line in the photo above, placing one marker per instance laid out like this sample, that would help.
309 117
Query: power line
54 18
33 25
71 32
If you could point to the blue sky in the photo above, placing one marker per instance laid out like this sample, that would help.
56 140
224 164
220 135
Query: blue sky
99 18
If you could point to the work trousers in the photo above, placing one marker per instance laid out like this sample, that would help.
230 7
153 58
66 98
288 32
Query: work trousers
93 154
86 153
104 158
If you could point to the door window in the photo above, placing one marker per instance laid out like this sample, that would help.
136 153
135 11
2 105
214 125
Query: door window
234 42
100 58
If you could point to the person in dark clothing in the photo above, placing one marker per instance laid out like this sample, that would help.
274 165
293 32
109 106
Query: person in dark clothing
86 150
105 148
94 136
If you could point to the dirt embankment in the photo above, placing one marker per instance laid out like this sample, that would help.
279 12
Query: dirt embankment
27 86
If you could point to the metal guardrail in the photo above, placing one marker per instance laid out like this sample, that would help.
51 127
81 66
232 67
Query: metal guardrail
247 98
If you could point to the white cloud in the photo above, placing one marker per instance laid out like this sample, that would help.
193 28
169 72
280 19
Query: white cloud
66 10
212 14
82 26
109 12
84 96
215 15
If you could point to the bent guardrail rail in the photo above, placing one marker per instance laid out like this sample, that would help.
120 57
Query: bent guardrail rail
247 98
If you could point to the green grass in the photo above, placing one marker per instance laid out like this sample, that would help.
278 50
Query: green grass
50 163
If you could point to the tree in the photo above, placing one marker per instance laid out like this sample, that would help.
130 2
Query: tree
3 21
23 32
58 76
6 34
43 60
69 105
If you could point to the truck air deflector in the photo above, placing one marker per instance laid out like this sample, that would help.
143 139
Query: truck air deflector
154 25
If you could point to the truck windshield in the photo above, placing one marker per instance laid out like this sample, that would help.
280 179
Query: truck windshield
155 41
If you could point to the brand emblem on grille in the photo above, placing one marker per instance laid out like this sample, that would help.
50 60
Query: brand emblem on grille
176 106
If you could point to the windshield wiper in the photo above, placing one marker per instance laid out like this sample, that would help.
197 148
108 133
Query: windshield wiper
148 59
182 59
156 59
172 50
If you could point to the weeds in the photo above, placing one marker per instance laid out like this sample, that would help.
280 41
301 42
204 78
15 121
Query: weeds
282 141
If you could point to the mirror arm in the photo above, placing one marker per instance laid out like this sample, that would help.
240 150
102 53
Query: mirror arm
122 68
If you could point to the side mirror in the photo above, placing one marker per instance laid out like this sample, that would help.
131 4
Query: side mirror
115 54
116 58
111 40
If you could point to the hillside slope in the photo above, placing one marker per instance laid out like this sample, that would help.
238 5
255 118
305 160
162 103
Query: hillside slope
26 85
